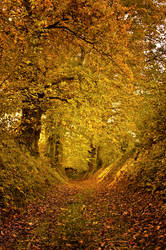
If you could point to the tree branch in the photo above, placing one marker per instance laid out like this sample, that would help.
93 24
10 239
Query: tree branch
57 98
65 28
52 26
63 79
27 6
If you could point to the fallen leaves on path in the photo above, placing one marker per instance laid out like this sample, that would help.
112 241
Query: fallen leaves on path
83 215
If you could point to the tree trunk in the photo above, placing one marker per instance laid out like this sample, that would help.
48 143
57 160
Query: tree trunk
99 161
53 139
29 130
54 149
92 158
95 161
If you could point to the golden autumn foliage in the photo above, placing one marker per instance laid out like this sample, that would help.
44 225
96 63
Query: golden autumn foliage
82 124
86 75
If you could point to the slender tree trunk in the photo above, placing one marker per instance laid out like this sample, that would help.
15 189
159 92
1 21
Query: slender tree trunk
29 129
95 161
92 158
98 158
54 146
54 149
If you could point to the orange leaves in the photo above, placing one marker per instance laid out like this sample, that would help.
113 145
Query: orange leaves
41 4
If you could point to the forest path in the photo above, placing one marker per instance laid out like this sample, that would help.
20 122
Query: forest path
84 215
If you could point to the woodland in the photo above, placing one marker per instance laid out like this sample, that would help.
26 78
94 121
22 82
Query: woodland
82 124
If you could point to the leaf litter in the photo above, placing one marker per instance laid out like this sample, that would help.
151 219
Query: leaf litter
83 215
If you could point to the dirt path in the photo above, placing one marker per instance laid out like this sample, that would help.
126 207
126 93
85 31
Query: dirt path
83 215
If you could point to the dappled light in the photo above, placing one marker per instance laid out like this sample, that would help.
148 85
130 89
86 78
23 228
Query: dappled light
82 124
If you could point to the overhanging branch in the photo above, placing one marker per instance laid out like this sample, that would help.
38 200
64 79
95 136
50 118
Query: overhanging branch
57 98
65 28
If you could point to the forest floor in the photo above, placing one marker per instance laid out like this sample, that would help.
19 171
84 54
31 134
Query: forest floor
86 215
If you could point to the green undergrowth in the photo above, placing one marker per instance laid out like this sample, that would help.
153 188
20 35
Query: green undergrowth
23 177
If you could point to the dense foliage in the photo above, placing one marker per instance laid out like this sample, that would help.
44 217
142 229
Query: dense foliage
81 85
82 124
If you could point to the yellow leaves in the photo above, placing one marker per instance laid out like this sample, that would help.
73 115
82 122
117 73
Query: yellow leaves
42 23
83 207
95 222
124 67
34 3
27 62
64 123
64 209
